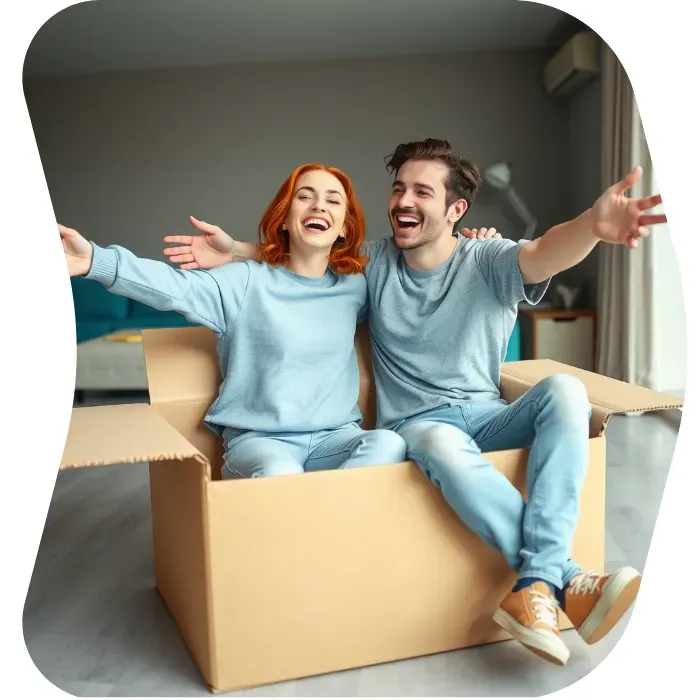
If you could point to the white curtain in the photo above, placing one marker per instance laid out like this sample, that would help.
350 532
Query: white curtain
625 277
641 316
669 339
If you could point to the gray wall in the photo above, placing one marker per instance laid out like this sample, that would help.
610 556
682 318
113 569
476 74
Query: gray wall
128 157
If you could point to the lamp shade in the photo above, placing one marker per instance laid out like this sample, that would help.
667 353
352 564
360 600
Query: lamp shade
498 176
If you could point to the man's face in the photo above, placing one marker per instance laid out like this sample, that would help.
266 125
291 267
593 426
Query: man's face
418 209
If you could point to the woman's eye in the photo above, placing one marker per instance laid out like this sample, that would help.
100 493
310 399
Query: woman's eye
333 201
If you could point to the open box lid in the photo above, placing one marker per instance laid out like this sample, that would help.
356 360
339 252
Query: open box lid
123 434
607 396
181 364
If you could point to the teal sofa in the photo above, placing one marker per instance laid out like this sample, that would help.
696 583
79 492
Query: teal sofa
513 352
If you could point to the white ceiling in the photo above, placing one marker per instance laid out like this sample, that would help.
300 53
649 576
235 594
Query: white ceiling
124 35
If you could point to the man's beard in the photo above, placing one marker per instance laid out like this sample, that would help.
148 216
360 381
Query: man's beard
428 234
406 245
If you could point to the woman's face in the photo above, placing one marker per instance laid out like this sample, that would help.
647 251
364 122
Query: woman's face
316 216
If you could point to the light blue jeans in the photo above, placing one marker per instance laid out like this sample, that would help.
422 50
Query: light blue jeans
552 419
250 454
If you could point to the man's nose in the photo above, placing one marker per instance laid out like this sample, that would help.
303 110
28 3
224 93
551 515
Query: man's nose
406 201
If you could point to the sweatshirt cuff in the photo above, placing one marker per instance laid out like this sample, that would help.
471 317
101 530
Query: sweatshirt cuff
104 265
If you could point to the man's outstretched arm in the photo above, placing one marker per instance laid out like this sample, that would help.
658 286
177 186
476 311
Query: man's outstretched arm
214 247
614 218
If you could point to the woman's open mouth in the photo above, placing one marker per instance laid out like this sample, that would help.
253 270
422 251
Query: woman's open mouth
315 224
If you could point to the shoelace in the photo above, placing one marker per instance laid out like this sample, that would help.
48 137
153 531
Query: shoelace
586 583
545 612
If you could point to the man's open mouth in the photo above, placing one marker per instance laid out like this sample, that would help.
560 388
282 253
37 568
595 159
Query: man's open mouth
407 222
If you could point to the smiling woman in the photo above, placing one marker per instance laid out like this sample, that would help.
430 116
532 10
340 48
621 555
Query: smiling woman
315 210
285 327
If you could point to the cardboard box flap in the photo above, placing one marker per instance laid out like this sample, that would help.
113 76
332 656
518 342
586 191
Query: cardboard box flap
182 364
607 396
123 434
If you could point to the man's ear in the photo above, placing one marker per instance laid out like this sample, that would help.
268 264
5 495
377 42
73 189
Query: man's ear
457 210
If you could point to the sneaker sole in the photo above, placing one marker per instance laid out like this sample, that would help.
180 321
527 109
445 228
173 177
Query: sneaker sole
547 646
620 592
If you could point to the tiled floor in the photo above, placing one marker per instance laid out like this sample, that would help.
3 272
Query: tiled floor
95 626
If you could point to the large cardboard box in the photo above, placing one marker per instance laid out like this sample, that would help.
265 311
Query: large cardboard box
281 578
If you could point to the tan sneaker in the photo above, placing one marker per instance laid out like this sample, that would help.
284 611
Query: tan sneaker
530 616
595 602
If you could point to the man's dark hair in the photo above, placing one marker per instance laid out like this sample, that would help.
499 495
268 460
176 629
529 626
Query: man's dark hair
463 179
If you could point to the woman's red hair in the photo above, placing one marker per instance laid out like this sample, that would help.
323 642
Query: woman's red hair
345 255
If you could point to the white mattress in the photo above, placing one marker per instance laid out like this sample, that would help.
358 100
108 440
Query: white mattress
103 365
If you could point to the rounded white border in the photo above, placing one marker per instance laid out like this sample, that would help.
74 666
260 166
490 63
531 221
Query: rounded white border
657 44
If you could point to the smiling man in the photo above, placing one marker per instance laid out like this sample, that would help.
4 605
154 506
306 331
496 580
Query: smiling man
441 310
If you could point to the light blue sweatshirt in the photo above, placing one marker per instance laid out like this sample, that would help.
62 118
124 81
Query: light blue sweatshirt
285 342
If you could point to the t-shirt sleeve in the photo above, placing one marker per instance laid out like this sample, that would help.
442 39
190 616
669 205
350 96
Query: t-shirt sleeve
374 250
369 249
498 263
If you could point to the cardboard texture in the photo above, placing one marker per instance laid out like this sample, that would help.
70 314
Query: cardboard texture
287 577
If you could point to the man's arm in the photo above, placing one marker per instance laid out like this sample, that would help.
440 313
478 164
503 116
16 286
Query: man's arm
211 249
215 247
614 218
560 248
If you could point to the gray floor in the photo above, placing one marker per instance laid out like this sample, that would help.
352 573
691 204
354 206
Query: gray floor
95 626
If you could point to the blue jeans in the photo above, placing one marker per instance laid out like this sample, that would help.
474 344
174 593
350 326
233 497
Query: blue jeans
552 419
250 454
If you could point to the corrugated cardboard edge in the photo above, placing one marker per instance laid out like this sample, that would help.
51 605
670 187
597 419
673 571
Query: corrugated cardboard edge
178 517
530 372
124 434
211 631
649 409
137 459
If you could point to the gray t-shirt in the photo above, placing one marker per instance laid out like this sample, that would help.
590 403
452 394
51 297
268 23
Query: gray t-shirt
440 336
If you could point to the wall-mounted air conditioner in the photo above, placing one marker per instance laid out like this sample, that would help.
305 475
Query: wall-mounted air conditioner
576 62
